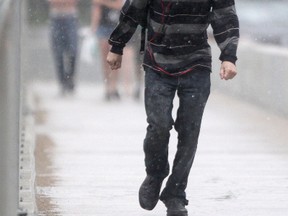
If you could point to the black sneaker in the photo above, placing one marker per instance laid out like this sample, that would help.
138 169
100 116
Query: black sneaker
149 192
176 207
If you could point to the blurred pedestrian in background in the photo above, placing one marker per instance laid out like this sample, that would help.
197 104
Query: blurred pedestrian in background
138 72
64 41
131 70
104 19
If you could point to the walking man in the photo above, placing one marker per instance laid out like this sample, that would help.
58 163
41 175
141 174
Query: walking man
177 60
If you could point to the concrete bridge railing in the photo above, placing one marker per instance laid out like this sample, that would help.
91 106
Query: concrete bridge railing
12 151
9 106
262 76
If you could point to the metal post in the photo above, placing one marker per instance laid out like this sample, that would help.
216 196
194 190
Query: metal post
9 107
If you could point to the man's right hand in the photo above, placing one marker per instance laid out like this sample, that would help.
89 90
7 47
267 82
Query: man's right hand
114 60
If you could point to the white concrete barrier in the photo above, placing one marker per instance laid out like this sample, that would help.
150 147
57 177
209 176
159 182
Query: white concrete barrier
262 76
9 106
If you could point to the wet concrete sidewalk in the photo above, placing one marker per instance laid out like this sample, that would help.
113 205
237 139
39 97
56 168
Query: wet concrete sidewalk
89 158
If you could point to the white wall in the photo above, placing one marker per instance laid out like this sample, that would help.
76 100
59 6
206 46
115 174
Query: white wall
262 76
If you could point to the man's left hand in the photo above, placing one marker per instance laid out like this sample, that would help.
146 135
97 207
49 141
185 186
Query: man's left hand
228 70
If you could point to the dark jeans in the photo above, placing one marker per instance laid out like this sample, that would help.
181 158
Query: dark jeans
64 38
193 90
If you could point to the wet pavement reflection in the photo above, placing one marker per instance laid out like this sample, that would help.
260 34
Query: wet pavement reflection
90 162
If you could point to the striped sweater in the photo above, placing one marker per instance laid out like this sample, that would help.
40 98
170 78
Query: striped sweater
177 32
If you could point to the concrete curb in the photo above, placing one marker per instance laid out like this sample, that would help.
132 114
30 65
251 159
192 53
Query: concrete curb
26 157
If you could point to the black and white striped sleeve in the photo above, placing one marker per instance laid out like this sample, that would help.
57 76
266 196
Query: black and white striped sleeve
132 14
225 24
